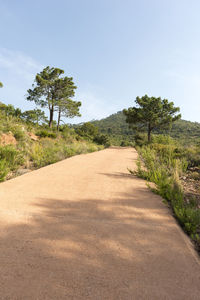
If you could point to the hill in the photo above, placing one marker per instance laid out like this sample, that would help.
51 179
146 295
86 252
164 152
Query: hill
116 127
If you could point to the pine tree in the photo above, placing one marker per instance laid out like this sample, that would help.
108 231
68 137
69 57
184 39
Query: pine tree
151 113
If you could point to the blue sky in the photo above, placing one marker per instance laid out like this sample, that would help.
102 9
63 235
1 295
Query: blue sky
115 50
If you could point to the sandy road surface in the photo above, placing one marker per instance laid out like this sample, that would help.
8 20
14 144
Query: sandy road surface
84 228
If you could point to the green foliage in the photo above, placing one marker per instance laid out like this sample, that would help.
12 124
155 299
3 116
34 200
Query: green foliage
193 156
3 169
1 84
102 139
126 143
42 156
187 132
47 151
151 113
163 139
35 116
9 109
10 160
18 113
87 130
52 147
18 133
29 153
117 129
64 90
188 217
140 139
195 175
54 92
163 164
91 132
68 134
43 90
46 133
12 156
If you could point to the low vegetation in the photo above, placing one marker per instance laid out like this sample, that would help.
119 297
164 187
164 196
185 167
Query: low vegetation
167 163
47 151
119 133
27 145
91 132
30 139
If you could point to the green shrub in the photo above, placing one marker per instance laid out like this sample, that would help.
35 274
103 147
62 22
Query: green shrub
102 139
195 175
19 134
163 139
68 134
3 169
159 163
42 156
12 156
45 133
140 139
87 130
126 143
48 151
69 151
10 160
193 156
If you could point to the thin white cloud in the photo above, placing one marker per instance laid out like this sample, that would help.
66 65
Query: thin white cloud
17 72
18 63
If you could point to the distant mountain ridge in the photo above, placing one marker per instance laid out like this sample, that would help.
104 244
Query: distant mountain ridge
115 125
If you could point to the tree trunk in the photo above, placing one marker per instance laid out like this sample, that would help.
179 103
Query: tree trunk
149 133
58 125
51 118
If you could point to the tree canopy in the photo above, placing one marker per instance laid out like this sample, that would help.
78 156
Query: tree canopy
1 84
118 130
88 130
9 110
54 92
34 116
151 113
65 106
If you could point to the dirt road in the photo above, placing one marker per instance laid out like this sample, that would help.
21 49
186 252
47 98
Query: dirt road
84 228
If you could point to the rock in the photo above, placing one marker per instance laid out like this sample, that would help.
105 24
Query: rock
23 171
33 136
7 139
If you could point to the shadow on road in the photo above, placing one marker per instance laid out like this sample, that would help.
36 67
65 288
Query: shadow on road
94 249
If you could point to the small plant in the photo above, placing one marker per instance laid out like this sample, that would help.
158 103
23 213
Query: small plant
102 139
3 170
45 133
195 175
10 160
163 164
42 156
50 151
12 156
19 134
